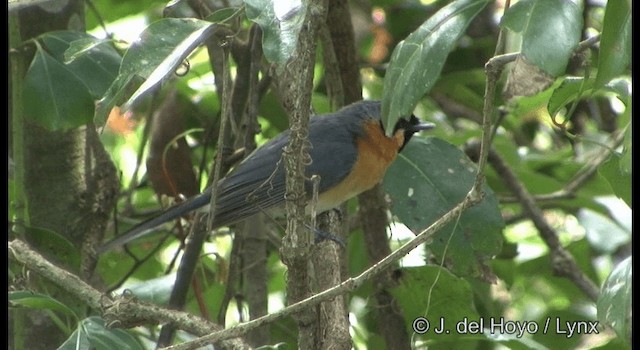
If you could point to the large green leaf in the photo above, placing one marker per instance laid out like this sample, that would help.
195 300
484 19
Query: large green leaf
603 234
94 61
93 334
51 242
614 303
53 96
615 43
280 26
429 178
575 88
163 45
434 294
161 48
69 71
550 30
619 180
38 301
417 61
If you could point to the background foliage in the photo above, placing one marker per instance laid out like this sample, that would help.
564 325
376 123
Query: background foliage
564 130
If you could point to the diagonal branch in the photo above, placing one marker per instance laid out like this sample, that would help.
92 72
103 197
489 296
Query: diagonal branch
344 287
124 311
563 262
581 177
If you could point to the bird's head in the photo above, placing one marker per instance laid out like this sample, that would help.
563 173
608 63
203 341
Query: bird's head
405 128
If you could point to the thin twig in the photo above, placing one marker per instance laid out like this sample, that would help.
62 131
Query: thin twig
580 179
493 68
587 43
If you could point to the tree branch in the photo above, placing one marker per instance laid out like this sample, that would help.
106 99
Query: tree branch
344 287
563 262
581 177
295 82
121 311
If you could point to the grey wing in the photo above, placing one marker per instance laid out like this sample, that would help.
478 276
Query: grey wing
258 183
333 152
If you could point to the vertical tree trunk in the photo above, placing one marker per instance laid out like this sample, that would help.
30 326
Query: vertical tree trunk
69 186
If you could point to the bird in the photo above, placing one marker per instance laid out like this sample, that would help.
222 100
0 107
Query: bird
349 151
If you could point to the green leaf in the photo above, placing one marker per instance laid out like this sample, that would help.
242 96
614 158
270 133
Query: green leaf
571 89
38 301
280 30
465 87
53 96
621 87
614 303
525 105
93 334
574 88
437 295
79 47
417 61
115 95
429 178
51 242
625 161
93 61
550 30
603 233
615 42
619 181
161 48
223 15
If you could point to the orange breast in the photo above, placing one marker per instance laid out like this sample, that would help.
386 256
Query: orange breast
375 153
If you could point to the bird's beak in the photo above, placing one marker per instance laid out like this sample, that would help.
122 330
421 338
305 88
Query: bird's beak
422 127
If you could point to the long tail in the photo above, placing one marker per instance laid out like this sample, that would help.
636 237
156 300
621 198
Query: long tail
147 226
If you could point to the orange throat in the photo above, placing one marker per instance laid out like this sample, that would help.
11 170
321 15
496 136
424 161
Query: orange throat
375 153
